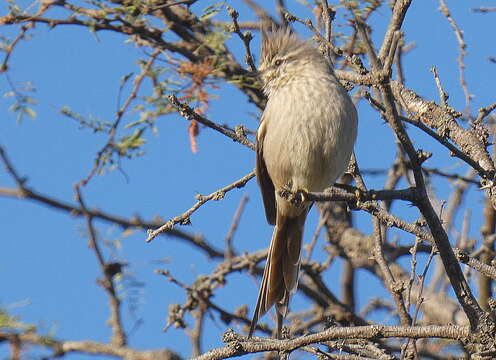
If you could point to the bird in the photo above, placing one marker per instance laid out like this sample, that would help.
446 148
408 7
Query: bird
304 143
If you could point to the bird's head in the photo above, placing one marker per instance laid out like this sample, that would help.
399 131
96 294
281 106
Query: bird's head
284 56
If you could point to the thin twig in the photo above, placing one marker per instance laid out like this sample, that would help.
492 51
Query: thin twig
281 9
484 269
109 270
184 218
189 114
118 117
443 95
395 288
485 111
483 9
462 45
441 139
326 16
24 192
246 38
316 233
461 288
61 348
229 252
10 48
180 2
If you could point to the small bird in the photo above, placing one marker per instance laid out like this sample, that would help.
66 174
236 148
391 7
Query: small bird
304 143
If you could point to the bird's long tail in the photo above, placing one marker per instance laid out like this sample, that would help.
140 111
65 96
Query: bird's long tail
280 276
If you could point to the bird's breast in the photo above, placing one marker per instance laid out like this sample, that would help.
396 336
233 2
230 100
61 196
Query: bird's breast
310 132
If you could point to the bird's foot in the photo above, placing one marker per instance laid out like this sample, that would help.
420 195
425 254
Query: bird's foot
486 184
298 198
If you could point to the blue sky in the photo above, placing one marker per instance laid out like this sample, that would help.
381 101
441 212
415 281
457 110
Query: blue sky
47 271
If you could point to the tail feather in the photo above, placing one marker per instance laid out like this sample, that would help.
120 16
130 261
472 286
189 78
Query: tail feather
291 263
280 275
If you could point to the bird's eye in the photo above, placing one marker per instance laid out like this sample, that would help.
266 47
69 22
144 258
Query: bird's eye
278 62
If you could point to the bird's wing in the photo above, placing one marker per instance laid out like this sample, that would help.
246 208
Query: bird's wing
263 178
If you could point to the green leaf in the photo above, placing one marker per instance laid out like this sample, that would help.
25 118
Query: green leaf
31 113
12 322
212 10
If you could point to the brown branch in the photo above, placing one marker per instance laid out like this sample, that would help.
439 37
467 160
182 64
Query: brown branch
399 12
385 217
118 117
200 292
260 12
457 280
181 2
348 285
88 347
184 218
189 114
390 114
10 48
229 252
245 38
454 203
327 18
237 345
462 45
485 111
434 171
365 203
109 270
484 9
196 333
352 60
354 196
23 192
470 141
443 95
281 9
484 269
487 230
134 222
395 288
442 139
320 293
309 248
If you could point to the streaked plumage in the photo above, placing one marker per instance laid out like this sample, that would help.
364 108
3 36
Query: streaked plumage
304 142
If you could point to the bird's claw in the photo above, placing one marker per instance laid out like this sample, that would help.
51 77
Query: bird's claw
297 198
486 184
300 197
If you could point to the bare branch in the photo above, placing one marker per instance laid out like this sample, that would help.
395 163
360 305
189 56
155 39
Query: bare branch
88 347
484 269
189 114
229 253
462 45
246 38
237 345
184 218
109 270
